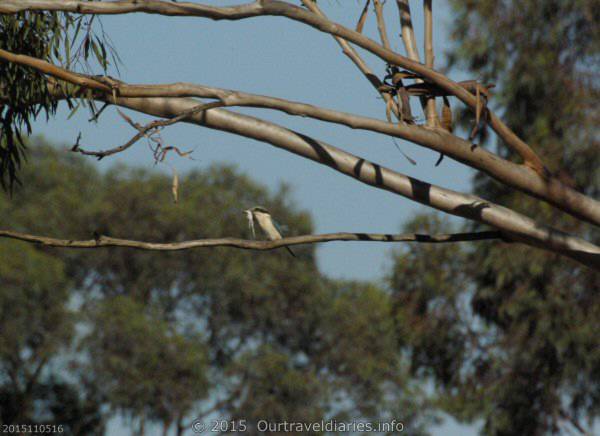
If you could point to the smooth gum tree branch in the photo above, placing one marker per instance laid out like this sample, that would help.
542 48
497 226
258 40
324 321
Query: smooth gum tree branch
517 176
106 241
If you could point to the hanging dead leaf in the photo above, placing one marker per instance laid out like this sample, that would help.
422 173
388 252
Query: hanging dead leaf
175 185
408 158
447 115
388 109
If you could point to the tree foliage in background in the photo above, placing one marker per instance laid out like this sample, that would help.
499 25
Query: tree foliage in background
169 337
510 335
37 325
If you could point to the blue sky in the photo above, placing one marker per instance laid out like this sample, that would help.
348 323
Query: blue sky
277 57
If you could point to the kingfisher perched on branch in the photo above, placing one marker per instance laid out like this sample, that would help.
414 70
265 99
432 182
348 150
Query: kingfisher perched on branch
266 223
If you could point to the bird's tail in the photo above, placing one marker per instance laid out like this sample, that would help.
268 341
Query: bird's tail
290 251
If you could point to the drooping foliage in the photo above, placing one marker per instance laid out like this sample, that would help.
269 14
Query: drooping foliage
51 36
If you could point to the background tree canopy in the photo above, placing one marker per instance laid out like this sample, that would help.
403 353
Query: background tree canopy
511 336
168 337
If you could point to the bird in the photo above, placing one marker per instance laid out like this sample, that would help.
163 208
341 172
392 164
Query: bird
266 224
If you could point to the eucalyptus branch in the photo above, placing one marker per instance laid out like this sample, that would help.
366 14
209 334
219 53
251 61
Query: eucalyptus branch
279 8
517 176
381 24
249 244
55 71
431 113
363 17
408 32
410 44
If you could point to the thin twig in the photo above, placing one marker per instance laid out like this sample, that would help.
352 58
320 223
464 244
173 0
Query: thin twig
143 130
381 24
408 32
410 44
363 17
58 72
106 241
431 113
